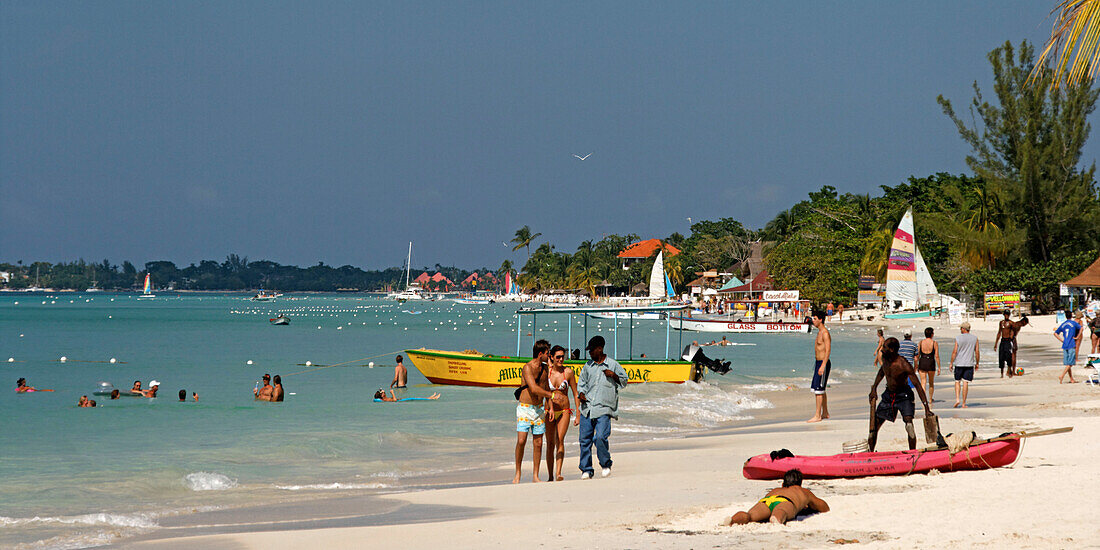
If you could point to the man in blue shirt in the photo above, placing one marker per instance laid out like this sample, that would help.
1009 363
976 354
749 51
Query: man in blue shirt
1069 334
598 391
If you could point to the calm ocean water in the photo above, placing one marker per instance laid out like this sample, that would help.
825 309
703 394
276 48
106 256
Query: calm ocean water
78 477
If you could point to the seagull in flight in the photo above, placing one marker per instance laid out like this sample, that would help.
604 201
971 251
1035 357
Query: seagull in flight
584 157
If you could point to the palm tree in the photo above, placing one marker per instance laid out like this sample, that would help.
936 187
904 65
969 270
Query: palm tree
505 268
1073 44
523 239
584 269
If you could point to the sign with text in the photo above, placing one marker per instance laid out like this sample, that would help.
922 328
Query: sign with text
780 295
1000 301
867 282
871 296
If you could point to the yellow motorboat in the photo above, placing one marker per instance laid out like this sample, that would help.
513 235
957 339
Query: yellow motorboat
460 368
470 368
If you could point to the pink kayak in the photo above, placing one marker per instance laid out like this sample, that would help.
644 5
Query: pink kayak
992 454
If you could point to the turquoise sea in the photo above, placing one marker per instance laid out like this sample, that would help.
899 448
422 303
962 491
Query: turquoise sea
80 477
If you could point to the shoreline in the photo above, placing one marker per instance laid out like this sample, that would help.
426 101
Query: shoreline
671 492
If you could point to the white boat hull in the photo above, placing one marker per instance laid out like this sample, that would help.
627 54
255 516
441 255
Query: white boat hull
717 325
644 316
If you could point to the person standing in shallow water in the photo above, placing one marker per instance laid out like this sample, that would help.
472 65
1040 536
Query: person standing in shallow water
400 374
823 347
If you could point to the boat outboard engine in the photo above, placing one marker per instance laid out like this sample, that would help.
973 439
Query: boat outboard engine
694 353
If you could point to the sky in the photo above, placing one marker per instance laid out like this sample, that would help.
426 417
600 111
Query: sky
338 132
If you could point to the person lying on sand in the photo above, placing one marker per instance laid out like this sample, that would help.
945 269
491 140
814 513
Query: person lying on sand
782 503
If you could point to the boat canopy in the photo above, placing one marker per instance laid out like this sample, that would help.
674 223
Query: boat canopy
535 312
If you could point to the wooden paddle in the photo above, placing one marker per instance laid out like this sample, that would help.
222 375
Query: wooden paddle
871 427
1020 435
931 428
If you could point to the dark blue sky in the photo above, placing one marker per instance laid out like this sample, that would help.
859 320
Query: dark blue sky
337 132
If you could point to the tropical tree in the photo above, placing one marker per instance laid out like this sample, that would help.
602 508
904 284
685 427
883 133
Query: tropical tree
1027 149
523 239
584 269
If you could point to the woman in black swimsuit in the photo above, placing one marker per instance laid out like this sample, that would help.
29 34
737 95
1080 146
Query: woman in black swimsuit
928 361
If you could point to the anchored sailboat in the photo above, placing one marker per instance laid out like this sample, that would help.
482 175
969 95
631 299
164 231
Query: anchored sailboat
909 286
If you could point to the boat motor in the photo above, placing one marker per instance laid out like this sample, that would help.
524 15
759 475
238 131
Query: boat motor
694 353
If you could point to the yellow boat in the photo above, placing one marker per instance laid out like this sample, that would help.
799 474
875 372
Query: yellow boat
458 368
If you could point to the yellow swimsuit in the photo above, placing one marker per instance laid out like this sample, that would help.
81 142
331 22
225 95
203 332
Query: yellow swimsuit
774 501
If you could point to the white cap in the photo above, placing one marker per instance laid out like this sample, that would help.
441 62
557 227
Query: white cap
154 383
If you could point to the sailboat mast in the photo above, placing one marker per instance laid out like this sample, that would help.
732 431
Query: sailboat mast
408 265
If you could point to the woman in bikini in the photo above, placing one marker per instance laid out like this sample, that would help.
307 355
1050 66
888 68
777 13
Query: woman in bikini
561 379
928 361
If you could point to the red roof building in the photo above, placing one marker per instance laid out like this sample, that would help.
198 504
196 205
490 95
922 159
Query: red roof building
642 250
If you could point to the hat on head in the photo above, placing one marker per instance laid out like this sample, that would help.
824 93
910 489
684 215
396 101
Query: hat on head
908 332
154 383
965 326
595 342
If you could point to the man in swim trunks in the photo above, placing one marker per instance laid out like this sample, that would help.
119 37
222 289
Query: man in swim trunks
1069 334
530 414
782 503
964 361
898 396
823 346
1005 343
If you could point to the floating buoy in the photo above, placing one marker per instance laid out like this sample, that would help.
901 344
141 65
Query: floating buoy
63 359
249 362
371 364
309 363
113 360
111 316
11 359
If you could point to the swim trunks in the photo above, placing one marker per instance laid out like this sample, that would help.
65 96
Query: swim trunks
772 502
1069 356
1004 353
964 373
893 403
529 418
820 381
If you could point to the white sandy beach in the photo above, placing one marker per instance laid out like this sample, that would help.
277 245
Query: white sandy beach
677 493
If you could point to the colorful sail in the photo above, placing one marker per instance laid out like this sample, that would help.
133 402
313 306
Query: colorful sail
148 284
907 276
668 287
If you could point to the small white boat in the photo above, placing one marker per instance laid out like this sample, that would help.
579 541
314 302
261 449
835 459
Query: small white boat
147 293
264 297
412 291
280 320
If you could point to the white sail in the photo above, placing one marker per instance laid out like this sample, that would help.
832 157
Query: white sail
926 288
657 278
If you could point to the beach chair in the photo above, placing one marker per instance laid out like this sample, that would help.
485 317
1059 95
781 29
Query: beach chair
1093 365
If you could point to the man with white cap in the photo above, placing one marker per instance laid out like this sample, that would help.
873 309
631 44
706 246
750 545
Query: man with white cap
152 391
964 361
907 348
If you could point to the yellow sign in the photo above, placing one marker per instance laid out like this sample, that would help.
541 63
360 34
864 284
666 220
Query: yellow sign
999 301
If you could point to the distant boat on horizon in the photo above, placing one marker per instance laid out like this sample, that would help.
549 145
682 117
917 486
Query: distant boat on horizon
147 293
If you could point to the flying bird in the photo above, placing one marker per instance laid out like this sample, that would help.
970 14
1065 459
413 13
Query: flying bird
584 157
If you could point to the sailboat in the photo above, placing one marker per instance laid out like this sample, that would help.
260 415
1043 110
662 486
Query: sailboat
909 286
147 293
659 290
412 291
95 285
35 288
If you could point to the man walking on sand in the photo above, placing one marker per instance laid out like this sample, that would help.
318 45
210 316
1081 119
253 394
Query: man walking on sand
898 396
964 361
598 391
823 346
1069 334
530 415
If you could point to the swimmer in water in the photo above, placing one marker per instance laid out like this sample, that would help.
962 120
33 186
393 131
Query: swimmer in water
22 387
380 395
137 387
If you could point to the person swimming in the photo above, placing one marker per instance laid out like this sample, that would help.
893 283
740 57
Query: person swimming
22 387
380 396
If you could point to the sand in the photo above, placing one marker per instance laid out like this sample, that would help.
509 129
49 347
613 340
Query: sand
678 493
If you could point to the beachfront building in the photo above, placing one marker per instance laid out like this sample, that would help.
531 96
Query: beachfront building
434 282
643 250
476 281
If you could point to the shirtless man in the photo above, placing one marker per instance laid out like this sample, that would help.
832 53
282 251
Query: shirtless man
530 414
823 346
400 374
782 503
1005 343
264 393
898 396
